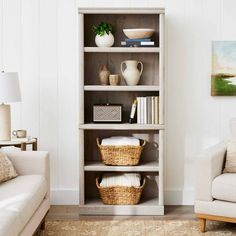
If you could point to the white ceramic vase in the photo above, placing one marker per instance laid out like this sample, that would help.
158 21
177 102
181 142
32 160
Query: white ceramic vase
106 40
131 73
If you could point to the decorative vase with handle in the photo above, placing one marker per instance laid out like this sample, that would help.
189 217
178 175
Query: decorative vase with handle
131 73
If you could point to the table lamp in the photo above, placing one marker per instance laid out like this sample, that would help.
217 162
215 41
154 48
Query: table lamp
9 92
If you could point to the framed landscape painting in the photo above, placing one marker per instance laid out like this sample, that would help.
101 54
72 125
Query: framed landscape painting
223 77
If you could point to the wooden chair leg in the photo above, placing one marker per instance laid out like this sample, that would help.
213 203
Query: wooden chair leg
42 227
202 225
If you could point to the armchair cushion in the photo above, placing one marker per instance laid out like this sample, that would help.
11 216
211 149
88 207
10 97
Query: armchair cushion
224 187
7 170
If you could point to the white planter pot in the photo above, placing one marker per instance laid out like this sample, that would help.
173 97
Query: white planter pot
107 40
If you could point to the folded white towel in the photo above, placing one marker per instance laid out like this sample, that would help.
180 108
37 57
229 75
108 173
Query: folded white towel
120 141
121 179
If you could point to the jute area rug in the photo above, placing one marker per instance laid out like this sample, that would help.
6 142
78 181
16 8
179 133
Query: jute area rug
136 228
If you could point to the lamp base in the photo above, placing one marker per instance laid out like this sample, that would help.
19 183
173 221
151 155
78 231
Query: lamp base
5 122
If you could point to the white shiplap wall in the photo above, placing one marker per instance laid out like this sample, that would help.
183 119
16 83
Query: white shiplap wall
38 38
195 119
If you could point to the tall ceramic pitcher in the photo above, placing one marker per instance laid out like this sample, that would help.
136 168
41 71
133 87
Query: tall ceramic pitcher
131 73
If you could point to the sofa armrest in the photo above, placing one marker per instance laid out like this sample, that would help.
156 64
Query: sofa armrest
209 165
31 163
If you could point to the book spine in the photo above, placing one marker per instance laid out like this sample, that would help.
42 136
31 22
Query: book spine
138 110
141 120
142 113
153 111
149 110
138 40
145 110
156 110
147 43
133 44
136 44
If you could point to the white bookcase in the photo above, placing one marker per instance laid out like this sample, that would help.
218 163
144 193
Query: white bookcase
90 92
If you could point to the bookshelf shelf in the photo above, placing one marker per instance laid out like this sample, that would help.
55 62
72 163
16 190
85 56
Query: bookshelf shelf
121 88
147 206
122 126
148 166
90 92
123 49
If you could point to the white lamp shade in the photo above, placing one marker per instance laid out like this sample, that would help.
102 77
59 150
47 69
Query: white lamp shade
9 87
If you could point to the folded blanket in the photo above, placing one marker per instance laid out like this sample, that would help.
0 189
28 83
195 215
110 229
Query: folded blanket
120 141
121 179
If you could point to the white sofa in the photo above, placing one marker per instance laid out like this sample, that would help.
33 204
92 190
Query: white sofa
24 200
215 190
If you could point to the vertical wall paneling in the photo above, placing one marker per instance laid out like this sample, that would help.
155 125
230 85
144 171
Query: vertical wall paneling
48 87
196 120
67 123
38 39
210 31
12 48
1 35
175 84
193 41
121 3
30 66
227 33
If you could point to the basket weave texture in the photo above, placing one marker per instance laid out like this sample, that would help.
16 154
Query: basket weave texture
127 155
120 195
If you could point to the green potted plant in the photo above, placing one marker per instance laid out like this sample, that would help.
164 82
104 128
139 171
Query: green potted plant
104 36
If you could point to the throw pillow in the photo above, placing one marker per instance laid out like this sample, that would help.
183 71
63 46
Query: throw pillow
230 163
7 170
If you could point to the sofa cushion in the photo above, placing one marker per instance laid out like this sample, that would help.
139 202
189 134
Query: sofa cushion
19 199
7 170
224 187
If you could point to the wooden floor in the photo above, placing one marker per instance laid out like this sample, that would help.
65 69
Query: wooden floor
72 213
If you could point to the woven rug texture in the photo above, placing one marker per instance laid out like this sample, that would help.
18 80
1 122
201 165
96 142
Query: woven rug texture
136 228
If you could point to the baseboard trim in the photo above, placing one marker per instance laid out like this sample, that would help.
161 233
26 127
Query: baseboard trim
64 197
179 196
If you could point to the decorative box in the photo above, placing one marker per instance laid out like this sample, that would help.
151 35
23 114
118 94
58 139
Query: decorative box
107 113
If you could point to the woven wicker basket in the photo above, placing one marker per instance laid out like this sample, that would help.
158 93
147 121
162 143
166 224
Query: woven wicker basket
128 155
120 195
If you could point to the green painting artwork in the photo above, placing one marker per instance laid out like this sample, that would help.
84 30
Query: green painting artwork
223 78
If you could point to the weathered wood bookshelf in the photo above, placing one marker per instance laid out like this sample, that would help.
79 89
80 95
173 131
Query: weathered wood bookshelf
91 92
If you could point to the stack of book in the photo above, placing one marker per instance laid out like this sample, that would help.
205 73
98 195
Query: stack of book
143 42
148 110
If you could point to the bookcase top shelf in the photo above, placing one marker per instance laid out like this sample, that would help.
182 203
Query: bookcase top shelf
153 88
123 49
122 126
147 10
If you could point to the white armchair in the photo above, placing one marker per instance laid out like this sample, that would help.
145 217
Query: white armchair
24 200
215 190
